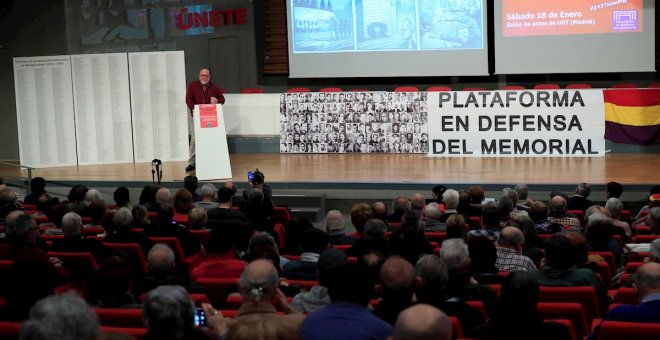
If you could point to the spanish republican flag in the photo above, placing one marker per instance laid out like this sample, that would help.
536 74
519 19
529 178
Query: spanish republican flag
632 116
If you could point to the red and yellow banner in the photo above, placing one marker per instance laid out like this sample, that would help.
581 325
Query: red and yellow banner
632 116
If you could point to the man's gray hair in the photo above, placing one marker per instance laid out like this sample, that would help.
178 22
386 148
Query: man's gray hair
334 221
511 194
12 219
455 252
92 195
21 226
451 198
598 218
168 311
432 211
522 191
417 202
262 238
399 205
71 224
123 218
157 262
614 205
583 189
208 190
163 195
557 204
654 250
61 317
253 290
431 268
374 229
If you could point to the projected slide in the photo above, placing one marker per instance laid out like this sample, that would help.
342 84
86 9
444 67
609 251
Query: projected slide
557 17
321 26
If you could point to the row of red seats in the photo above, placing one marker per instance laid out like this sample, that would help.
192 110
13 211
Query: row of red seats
447 88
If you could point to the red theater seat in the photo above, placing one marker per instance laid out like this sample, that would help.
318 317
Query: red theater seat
566 310
643 230
644 238
625 86
136 333
632 267
201 235
438 89
331 89
456 329
219 289
134 251
586 296
625 295
616 330
654 86
10 330
547 87
406 89
281 215
608 256
297 90
252 90
120 317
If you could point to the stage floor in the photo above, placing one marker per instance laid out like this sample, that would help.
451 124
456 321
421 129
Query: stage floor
632 169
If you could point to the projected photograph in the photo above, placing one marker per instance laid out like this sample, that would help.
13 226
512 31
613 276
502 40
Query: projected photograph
451 24
386 25
354 122
322 25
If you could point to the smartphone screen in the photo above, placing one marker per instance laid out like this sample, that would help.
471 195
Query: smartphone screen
250 176
200 317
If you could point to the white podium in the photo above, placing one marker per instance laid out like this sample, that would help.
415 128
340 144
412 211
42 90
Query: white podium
211 153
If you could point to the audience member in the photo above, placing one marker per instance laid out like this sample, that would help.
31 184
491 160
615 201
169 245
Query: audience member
409 241
523 192
182 202
456 227
297 227
122 198
513 196
75 242
600 232
373 239
380 211
37 188
490 220
317 297
400 205
460 285
258 210
25 282
580 201
438 193
61 317
207 193
21 240
170 314
314 242
647 288
190 183
221 258
557 213
140 217
518 317
477 196
422 322
197 218
360 214
432 280
483 257
559 269
122 221
509 251
334 226
166 227
233 224
431 218
397 287
111 285
349 295
615 206
451 199
417 202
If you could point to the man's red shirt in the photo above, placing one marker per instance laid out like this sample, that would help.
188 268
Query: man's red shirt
198 94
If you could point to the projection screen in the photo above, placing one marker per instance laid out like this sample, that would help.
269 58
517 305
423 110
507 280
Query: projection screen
568 36
386 38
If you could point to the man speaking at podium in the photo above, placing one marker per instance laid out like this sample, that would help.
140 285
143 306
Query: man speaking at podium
201 91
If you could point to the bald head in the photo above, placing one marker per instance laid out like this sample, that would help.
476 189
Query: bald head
511 237
422 322
380 209
397 273
259 281
161 258
417 201
557 204
163 195
648 280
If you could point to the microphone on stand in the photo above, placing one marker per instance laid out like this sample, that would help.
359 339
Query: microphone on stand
156 170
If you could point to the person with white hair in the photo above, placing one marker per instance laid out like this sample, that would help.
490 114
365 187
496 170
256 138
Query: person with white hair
451 198
75 242
61 317
170 314
207 192
431 218
334 226
615 206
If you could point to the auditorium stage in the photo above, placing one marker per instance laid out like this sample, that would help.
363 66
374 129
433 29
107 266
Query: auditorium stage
382 171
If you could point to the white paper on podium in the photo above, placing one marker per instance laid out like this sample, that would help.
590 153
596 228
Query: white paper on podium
211 152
